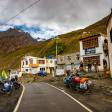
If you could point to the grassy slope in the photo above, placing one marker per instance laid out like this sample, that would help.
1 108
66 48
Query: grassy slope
68 43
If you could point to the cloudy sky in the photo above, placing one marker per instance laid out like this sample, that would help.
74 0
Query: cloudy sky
48 18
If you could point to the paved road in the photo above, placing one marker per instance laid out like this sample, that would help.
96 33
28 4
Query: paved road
40 97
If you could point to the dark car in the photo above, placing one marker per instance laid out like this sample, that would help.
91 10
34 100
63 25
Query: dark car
42 73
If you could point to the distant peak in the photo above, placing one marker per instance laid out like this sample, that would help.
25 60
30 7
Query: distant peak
12 30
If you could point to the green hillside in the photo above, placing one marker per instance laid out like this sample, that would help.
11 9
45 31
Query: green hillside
67 43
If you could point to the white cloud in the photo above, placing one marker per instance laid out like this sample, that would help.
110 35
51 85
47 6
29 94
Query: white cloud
60 15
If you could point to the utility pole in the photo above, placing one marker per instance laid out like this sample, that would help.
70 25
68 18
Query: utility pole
56 50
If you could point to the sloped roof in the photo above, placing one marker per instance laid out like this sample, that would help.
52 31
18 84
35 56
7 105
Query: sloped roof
96 35
109 17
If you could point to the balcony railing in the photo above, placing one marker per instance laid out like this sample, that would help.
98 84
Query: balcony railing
33 65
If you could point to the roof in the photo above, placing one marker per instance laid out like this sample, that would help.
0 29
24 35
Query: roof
29 57
109 17
96 35
75 53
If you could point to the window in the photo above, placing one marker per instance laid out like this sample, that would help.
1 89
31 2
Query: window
90 43
41 61
55 61
26 62
77 57
105 47
111 35
31 61
61 59
92 60
90 51
68 58
26 70
42 69
23 62
51 61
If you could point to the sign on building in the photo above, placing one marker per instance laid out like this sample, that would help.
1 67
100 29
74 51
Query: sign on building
59 72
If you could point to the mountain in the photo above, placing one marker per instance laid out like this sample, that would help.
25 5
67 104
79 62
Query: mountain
14 39
67 43
37 31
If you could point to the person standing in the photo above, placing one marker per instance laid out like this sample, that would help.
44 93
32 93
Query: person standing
105 67
96 67
89 67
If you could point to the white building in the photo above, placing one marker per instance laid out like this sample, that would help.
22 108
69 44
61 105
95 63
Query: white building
92 51
41 64
29 64
33 65
109 35
51 66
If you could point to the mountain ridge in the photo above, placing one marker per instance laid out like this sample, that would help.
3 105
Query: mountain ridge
67 43
13 39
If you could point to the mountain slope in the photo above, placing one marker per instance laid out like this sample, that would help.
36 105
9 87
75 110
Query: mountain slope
13 39
67 43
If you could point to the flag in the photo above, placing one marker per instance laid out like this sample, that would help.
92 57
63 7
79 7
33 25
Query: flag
3 75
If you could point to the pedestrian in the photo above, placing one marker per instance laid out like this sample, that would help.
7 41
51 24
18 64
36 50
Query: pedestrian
67 72
92 68
89 67
96 67
105 67
81 66
75 71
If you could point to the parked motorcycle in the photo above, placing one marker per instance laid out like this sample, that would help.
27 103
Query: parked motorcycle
67 81
16 84
77 83
7 87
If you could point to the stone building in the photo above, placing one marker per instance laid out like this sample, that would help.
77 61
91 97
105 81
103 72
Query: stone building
68 61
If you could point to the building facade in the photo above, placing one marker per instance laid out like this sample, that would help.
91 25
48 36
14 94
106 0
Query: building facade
29 64
69 61
51 66
33 65
92 52
109 35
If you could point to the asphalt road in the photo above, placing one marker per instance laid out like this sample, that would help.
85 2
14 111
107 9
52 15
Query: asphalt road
40 97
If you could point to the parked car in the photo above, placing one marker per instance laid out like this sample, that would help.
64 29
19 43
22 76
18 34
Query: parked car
42 73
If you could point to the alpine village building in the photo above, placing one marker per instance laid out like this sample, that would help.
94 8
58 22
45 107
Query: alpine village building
68 61
109 35
33 65
94 52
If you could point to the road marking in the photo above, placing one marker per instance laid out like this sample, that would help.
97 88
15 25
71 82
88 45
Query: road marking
19 101
89 110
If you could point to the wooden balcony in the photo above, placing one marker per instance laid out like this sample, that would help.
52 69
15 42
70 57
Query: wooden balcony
33 65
